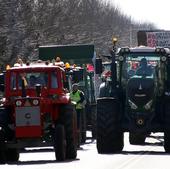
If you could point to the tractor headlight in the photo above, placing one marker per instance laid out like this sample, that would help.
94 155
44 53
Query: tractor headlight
148 105
132 105
35 102
18 103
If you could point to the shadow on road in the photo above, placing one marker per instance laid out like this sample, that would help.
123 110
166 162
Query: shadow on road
143 153
88 142
37 150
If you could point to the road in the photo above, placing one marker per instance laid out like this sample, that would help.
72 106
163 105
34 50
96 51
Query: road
149 156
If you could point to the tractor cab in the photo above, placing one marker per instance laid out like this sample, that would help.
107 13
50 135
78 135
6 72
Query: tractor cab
141 74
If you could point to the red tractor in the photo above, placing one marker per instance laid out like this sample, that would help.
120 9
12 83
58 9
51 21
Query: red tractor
36 111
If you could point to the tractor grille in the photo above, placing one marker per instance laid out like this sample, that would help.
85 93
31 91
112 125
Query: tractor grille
28 116
140 90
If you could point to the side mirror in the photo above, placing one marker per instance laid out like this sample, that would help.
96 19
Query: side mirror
2 87
2 82
38 90
2 78
98 66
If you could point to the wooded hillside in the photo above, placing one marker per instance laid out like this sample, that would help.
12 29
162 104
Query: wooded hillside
26 24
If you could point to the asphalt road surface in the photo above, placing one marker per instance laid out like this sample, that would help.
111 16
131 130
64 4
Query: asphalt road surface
149 156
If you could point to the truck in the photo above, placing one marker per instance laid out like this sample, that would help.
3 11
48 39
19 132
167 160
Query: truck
36 111
134 100
79 58
154 38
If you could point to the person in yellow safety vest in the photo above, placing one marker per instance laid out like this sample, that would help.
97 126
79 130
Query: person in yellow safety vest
78 96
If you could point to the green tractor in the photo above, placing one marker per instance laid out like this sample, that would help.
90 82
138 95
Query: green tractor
78 70
135 99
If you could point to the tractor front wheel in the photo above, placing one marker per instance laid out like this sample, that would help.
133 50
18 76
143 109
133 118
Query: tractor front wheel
109 134
2 148
59 143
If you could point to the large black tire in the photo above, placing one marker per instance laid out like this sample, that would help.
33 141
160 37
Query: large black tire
59 143
167 141
109 134
12 155
167 126
2 148
69 121
137 138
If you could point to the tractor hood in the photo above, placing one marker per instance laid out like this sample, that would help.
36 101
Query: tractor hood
140 90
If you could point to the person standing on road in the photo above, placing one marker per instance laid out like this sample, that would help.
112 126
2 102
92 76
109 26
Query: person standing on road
77 96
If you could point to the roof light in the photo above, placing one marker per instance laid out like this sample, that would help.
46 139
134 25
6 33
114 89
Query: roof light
114 40
67 65
127 49
157 50
124 50
160 50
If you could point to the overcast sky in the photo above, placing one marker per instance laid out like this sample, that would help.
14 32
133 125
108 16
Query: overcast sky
154 11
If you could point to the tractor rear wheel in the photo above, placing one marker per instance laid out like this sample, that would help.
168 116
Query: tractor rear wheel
167 126
2 148
167 141
12 155
109 134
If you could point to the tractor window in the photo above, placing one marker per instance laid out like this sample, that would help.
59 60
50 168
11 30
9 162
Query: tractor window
54 83
37 78
33 78
132 68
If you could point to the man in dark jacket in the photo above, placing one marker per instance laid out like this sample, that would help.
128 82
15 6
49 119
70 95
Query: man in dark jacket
144 69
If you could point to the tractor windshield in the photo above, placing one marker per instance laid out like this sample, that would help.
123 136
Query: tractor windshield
140 65
30 79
